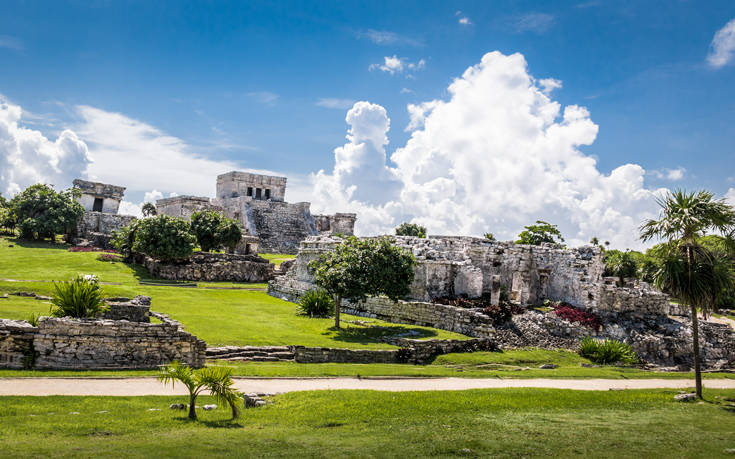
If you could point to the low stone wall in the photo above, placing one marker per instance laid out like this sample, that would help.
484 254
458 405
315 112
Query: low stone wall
203 266
332 355
97 227
16 344
135 310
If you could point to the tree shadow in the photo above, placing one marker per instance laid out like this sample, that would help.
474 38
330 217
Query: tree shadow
38 244
218 424
377 333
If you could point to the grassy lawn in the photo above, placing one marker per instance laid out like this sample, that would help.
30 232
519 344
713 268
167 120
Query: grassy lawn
223 313
505 423
277 258
522 363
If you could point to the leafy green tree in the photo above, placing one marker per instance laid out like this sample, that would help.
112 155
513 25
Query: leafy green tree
149 210
358 268
217 380
164 238
540 233
690 272
3 201
490 236
213 230
7 219
40 212
620 264
411 229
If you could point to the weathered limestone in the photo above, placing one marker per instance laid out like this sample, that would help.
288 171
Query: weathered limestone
203 266
184 206
97 227
99 197
235 184
65 343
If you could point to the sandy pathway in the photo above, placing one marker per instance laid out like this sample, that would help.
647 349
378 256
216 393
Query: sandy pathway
150 386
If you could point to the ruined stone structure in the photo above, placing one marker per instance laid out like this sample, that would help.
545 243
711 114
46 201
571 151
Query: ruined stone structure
258 203
100 343
101 202
473 267
203 266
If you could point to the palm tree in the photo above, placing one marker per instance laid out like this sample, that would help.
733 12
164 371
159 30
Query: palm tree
690 272
217 380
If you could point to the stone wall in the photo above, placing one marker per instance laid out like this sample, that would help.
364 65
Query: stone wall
235 184
281 226
333 355
184 206
339 223
110 195
75 344
203 266
135 310
97 227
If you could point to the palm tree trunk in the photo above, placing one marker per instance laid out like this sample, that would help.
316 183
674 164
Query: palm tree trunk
337 306
695 330
193 407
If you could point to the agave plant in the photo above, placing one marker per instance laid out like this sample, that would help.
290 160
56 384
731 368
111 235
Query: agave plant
217 380
80 298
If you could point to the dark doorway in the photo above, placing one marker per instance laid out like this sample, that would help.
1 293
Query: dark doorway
258 193
97 206
250 191
267 193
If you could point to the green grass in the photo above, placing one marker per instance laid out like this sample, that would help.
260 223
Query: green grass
504 423
223 313
277 258
522 363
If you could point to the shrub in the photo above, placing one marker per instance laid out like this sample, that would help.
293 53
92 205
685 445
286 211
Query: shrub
213 230
568 312
500 313
7 220
539 233
109 257
79 298
33 319
607 351
316 303
411 229
41 212
124 238
163 237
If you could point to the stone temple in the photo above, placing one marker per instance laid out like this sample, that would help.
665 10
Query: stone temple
258 203
101 202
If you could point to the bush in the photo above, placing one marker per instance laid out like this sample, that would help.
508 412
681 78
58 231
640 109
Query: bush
109 257
213 230
79 298
40 212
499 314
124 238
411 229
568 312
316 303
540 233
163 238
609 351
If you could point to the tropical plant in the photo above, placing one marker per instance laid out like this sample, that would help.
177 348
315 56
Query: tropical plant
489 236
149 210
540 233
217 380
7 219
80 298
316 303
164 238
620 264
595 242
689 271
357 268
213 230
41 212
411 229
608 351
124 238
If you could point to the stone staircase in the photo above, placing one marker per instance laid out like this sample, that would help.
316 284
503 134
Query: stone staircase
252 353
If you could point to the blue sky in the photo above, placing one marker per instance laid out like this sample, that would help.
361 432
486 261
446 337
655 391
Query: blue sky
267 85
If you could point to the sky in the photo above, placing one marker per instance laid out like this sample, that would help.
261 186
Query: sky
465 117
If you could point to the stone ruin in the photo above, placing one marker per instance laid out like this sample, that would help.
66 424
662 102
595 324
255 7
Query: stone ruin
257 203
476 267
123 338
101 202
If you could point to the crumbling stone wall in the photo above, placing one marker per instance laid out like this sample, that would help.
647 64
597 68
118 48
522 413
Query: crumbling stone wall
65 343
203 266
107 196
184 206
339 223
97 227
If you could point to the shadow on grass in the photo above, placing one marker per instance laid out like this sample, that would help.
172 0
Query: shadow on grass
38 244
219 424
376 333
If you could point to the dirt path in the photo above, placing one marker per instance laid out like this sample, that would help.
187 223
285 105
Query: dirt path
150 386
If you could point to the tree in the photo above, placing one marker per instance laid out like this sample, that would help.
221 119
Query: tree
149 210
164 238
690 272
620 264
213 230
539 233
40 212
411 229
217 380
3 201
490 236
358 268
124 239
595 242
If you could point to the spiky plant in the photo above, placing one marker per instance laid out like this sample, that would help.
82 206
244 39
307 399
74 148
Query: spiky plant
80 298
217 380
690 272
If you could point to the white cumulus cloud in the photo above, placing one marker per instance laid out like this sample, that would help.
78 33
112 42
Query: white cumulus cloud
333 102
28 157
669 174
722 48
495 156
394 64
730 196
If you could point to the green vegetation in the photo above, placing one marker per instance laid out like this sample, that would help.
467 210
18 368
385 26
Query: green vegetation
214 231
507 423
80 298
693 274
540 233
607 351
358 268
316 303
40 212
149 209
277 258
164 238
411 229
220 313
215 380
489 236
